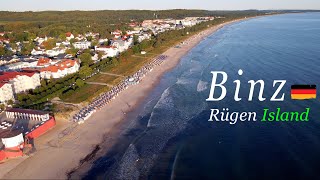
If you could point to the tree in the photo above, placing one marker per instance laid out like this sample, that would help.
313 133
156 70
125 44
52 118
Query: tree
136 49
50 44
10 102
89 38
85 71
72 51
2 51
86 59
2 106
135 40
62 36
27 48
100 54
80 83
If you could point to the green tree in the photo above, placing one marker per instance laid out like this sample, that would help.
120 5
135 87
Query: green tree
27 48
50 44
80 83
72 51
2 106
136 49
62 36
10 102
85 71
89 38
86 59
100 54
2 51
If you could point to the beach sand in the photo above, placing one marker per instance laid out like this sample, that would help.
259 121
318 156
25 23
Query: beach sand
60 150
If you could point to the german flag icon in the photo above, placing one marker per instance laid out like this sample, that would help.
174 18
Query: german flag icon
302 92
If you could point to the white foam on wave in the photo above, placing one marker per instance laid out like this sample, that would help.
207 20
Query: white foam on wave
183 81
127 167
165 102
202 85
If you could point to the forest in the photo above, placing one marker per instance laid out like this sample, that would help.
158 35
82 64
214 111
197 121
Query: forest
55 23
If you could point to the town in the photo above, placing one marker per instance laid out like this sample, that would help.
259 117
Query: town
37 69
27 61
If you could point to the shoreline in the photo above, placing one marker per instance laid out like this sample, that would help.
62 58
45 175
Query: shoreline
80 142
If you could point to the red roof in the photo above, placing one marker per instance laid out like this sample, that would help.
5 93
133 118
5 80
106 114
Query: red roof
67 63
68 34
4 39
43 61
2 84
6 76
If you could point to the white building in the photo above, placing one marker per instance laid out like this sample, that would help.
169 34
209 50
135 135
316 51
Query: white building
60 69
55 52
21 81
123 45
82 45
69 36
36 52
144 36
41 40
6 92
109 51
133 32
18 65
103 40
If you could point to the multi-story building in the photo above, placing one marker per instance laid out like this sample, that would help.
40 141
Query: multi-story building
109 51
60 69
20 81
6 92
82 45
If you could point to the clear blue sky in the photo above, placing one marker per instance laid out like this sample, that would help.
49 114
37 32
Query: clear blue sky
41 5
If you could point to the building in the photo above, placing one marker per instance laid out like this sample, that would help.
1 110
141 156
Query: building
36 52
109 51
44 62
82 45
122 45
69 36
101 41
117 34
18 65
59 70
6 92
21 81
144 36
18 129
55 52
40 40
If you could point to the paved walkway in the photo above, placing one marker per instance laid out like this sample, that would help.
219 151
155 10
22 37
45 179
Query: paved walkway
98 83
111 74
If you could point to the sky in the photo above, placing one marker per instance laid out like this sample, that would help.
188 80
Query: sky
42 5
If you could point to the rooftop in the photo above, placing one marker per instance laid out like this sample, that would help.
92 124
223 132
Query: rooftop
7 76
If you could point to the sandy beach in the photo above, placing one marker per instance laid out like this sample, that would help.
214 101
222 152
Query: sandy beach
60 150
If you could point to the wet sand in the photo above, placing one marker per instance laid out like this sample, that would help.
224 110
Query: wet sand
60 150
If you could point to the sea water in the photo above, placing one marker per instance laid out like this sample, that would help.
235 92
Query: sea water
178 141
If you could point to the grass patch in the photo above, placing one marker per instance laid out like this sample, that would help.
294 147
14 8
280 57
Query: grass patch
104 78
85 93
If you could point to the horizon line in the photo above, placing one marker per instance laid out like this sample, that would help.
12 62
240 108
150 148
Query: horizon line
66 10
